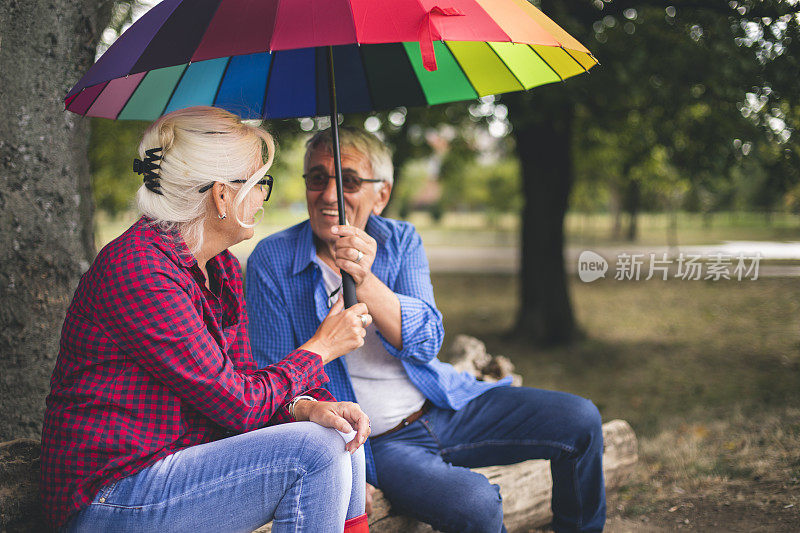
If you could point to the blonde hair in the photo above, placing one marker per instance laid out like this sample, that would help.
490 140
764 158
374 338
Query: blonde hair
201 145
364 142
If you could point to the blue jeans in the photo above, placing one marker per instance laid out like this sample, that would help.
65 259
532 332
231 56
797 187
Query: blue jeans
423 469
298 475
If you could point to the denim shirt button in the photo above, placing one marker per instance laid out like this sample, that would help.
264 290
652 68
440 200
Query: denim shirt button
102 500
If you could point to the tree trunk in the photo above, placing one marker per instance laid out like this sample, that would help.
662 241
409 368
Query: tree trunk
632 200
615 205
672 229
542 127
46 236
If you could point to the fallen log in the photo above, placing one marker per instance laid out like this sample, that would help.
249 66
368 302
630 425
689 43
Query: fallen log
20 506
526 487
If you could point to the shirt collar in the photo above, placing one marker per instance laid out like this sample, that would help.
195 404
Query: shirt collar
378 229
305 252
171 242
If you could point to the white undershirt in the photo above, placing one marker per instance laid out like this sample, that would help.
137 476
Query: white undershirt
381 384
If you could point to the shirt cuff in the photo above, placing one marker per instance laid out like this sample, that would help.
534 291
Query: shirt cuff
282 415
305 369
418 331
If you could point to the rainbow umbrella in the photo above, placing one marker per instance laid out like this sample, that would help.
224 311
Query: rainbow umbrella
273 59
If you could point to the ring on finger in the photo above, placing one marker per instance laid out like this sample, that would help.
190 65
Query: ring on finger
364 320
359 256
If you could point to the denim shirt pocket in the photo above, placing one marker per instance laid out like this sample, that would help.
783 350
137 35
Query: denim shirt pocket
104 493
108 497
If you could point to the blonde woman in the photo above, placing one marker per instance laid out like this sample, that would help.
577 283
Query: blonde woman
159 418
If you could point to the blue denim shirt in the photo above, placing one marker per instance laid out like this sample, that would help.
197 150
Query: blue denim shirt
286 302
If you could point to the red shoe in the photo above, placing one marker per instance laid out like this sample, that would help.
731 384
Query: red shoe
358 524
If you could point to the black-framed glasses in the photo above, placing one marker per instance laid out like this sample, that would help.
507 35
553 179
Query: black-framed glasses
266 181
351 182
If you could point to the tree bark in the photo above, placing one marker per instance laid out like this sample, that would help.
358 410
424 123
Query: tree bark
46 236
542 128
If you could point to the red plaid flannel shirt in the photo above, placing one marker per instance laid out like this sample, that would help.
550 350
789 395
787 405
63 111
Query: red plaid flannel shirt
151 362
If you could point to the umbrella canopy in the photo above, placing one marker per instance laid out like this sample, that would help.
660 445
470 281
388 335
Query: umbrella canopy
269 58
272 59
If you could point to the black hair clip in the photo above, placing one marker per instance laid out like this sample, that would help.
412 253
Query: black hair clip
148 168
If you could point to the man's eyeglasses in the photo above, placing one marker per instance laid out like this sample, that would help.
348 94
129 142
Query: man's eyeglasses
266 181
351 182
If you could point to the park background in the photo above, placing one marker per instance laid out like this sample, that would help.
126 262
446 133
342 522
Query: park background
682 139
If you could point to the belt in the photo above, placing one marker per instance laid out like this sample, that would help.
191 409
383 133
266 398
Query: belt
413 417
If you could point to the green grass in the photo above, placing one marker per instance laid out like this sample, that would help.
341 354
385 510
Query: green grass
596 229
692 228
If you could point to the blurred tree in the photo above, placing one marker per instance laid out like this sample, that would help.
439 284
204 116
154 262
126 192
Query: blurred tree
112 147
672 76
683 81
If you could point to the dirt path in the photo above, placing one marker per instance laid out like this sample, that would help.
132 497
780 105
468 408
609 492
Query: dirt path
701 515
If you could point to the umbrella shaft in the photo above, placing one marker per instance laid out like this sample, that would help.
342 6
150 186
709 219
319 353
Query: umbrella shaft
348 285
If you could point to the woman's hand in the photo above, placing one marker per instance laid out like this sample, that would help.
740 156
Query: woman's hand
342 331
341 416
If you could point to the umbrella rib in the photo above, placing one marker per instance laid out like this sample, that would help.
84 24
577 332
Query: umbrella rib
96 97
353 18
175 87
464 72
271 37
546 63
415 78
575 60
506 65
273 57
317 52
219 85
411 69
128 99
366 78
205 31
491 18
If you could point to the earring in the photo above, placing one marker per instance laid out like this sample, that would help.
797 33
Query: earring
222 216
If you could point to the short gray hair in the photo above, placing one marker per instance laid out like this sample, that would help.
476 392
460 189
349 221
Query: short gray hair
379 155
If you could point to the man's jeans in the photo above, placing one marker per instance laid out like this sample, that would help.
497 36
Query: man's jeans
298 474
424 468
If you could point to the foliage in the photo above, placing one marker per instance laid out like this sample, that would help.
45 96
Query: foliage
113 146
690 99
691 86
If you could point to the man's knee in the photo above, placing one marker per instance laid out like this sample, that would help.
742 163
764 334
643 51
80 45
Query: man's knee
479 510
587 422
